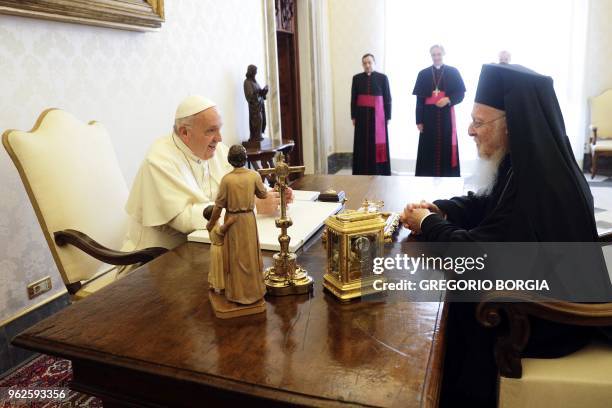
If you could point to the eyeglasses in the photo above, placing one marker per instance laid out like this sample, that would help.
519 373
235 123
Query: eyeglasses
475 124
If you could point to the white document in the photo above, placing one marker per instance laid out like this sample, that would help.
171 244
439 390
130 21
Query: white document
307 217
305 195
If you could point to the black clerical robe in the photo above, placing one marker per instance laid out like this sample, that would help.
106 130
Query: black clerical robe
470 367
438 154
540 195
371 109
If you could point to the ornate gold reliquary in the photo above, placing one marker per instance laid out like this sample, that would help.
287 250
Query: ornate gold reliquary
353 239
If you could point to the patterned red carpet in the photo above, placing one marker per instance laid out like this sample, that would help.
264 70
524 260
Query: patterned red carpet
48 372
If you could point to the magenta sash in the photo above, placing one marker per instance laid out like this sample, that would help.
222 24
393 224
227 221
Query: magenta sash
432 100
380 134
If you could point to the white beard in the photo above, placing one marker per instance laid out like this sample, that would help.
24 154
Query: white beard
485 174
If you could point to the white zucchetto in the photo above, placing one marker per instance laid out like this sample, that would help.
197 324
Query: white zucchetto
193 104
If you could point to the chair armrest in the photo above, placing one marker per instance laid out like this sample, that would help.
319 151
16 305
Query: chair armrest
516 309
101 253
607 237
594 137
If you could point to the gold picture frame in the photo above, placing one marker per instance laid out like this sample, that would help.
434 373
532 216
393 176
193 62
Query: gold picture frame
134 15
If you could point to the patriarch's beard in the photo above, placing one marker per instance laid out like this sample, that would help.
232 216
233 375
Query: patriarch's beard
485 174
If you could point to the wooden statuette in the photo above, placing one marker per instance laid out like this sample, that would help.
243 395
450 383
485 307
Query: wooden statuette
240 256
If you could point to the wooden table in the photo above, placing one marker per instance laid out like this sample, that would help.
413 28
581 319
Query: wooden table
151 339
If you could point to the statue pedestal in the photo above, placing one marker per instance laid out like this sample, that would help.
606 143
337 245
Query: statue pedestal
257 144
261 154
266 145
224 309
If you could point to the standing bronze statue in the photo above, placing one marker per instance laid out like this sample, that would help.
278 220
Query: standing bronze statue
255 96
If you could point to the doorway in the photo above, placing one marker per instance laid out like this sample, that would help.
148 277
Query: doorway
289 77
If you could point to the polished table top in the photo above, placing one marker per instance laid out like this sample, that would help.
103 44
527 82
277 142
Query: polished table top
307 349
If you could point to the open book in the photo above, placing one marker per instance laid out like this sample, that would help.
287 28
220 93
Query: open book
307 215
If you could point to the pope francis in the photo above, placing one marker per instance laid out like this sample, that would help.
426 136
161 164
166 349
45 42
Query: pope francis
179 178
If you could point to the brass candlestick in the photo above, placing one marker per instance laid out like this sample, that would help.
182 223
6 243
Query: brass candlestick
286 277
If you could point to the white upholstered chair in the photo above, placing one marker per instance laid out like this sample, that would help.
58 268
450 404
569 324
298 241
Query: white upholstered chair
601 126
72 177
580 380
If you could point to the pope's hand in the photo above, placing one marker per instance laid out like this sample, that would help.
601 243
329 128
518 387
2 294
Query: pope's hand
420 127
268 205
289 195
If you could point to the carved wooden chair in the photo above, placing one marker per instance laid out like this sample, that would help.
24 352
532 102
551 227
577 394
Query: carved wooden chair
601 126
72 177
581 379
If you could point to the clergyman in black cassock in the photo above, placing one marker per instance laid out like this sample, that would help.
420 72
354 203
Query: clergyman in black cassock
539 195
370 111
438 154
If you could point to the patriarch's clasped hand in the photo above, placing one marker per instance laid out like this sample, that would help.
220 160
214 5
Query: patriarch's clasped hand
415 213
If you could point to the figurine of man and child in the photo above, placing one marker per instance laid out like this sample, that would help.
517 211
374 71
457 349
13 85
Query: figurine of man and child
235 259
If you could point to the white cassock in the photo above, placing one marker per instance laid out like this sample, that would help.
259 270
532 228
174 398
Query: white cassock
170 192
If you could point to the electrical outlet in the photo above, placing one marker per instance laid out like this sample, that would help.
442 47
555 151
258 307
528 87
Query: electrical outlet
39 287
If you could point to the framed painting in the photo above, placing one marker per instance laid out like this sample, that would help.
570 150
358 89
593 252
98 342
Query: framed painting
136 15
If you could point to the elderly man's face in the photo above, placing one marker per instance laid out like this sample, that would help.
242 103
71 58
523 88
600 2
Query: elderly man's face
504 57
437 56
368 64
204 134
488 128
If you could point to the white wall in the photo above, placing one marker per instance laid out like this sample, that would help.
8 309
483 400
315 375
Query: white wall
356 27
131 82
598 73
460 28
